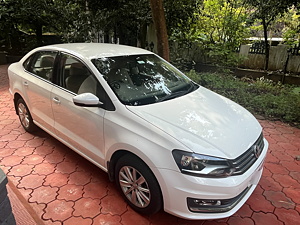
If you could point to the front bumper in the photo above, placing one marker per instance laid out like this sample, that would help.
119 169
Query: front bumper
232 192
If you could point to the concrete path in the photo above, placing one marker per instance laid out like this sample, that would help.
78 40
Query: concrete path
50 184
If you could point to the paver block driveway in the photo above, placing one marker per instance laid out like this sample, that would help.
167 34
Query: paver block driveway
63 188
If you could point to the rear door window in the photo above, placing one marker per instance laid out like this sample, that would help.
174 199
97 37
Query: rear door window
41 64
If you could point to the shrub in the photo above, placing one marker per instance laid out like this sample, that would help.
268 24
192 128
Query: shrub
262 97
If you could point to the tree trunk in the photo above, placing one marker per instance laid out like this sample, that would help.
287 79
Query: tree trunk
267 47
159 20
106 37
143 35
39 34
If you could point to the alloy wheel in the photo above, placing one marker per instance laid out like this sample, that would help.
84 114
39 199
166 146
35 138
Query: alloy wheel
134 186
24 115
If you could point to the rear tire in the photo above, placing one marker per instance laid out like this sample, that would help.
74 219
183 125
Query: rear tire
138 185
25 116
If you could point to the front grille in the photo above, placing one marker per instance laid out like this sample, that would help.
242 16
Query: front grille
247 159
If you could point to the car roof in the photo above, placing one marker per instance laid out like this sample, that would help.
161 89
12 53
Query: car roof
96 50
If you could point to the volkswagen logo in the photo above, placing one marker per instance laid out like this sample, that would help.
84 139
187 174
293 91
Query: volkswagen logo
257 151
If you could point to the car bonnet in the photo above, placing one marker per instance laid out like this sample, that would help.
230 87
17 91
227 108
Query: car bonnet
204 122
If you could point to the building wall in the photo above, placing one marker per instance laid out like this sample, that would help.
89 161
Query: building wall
279 59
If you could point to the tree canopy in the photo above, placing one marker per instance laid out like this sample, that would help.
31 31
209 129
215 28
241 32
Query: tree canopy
217 27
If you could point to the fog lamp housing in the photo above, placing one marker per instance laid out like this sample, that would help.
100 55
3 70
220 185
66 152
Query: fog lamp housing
206 202
214 205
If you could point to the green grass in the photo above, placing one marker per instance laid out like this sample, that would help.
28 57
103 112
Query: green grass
263 97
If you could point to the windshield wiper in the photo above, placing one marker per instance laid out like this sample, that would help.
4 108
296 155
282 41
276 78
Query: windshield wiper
176 94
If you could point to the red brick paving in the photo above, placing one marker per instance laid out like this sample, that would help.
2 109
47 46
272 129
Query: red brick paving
43 194
266 218
56 180
31 181
70 192
78 221
58 210
279 200
245 211
108 208
258 203
108 219
240 221
63 188
288 216
87 207
95 190
21 170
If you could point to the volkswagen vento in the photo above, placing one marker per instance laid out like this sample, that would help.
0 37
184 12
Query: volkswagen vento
167 142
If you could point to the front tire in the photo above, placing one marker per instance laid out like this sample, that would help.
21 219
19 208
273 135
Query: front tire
138 185
25 116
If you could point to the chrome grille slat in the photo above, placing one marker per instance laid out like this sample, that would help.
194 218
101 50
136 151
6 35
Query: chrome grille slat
245 168
261 143
242 163
241 158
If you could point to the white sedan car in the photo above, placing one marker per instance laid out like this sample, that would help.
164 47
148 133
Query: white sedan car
167 142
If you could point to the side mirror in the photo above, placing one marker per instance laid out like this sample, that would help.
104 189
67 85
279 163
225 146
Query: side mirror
87 100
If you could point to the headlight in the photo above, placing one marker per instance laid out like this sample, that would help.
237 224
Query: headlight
202 165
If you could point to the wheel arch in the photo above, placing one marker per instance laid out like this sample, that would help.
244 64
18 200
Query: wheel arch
111 165
17 96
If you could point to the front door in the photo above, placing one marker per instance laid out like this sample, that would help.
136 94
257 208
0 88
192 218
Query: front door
80 127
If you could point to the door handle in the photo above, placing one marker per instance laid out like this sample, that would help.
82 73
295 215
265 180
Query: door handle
25 83
56 100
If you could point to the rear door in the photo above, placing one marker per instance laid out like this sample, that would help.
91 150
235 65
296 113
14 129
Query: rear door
80 127
37 87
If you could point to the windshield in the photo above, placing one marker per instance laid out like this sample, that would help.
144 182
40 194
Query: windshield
143 79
